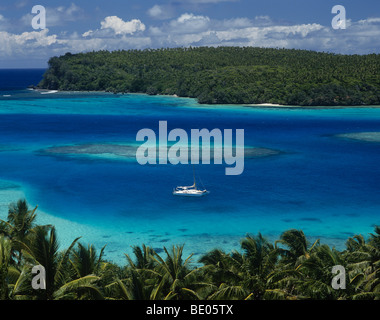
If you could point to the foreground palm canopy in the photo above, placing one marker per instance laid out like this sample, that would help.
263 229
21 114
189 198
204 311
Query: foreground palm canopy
289 268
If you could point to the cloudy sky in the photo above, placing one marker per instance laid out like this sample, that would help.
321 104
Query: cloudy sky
83 25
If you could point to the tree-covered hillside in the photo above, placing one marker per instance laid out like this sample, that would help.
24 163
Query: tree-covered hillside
232 75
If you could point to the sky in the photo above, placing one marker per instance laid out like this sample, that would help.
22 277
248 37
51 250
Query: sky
83 25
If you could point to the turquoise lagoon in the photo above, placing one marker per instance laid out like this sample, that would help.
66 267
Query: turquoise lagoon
324 184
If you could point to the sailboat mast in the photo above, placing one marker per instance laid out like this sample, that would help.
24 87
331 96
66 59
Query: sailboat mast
194 177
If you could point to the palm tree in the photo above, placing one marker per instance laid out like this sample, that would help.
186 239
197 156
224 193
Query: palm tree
224 272
296 247
139 279
19 226
293 248
355 243
176 279
135 286
143 258
250 275
375 238
221 267
364 265
43 250
86 261
260 259
12 280
316 274
5 253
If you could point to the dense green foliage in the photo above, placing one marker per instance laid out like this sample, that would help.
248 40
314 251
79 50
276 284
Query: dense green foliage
224 75
290 268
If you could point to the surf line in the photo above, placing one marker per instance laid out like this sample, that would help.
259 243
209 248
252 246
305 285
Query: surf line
173 147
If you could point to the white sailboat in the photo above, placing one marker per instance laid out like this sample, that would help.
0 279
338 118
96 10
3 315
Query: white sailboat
190 191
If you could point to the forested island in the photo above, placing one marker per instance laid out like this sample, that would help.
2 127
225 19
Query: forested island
224 75
291 268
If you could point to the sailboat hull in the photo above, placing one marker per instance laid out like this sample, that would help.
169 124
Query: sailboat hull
190 194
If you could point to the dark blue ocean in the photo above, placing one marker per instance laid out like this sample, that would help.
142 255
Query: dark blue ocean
19 79
320 183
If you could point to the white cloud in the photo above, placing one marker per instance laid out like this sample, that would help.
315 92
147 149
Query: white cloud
186 17
113 25
161 12
121 27
4 23
232 23
189 23
20 44
156 31
88 33
369 21
156 11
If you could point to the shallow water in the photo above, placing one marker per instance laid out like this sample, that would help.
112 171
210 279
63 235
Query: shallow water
320 183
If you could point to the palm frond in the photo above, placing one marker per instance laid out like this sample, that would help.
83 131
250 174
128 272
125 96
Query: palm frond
81 284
